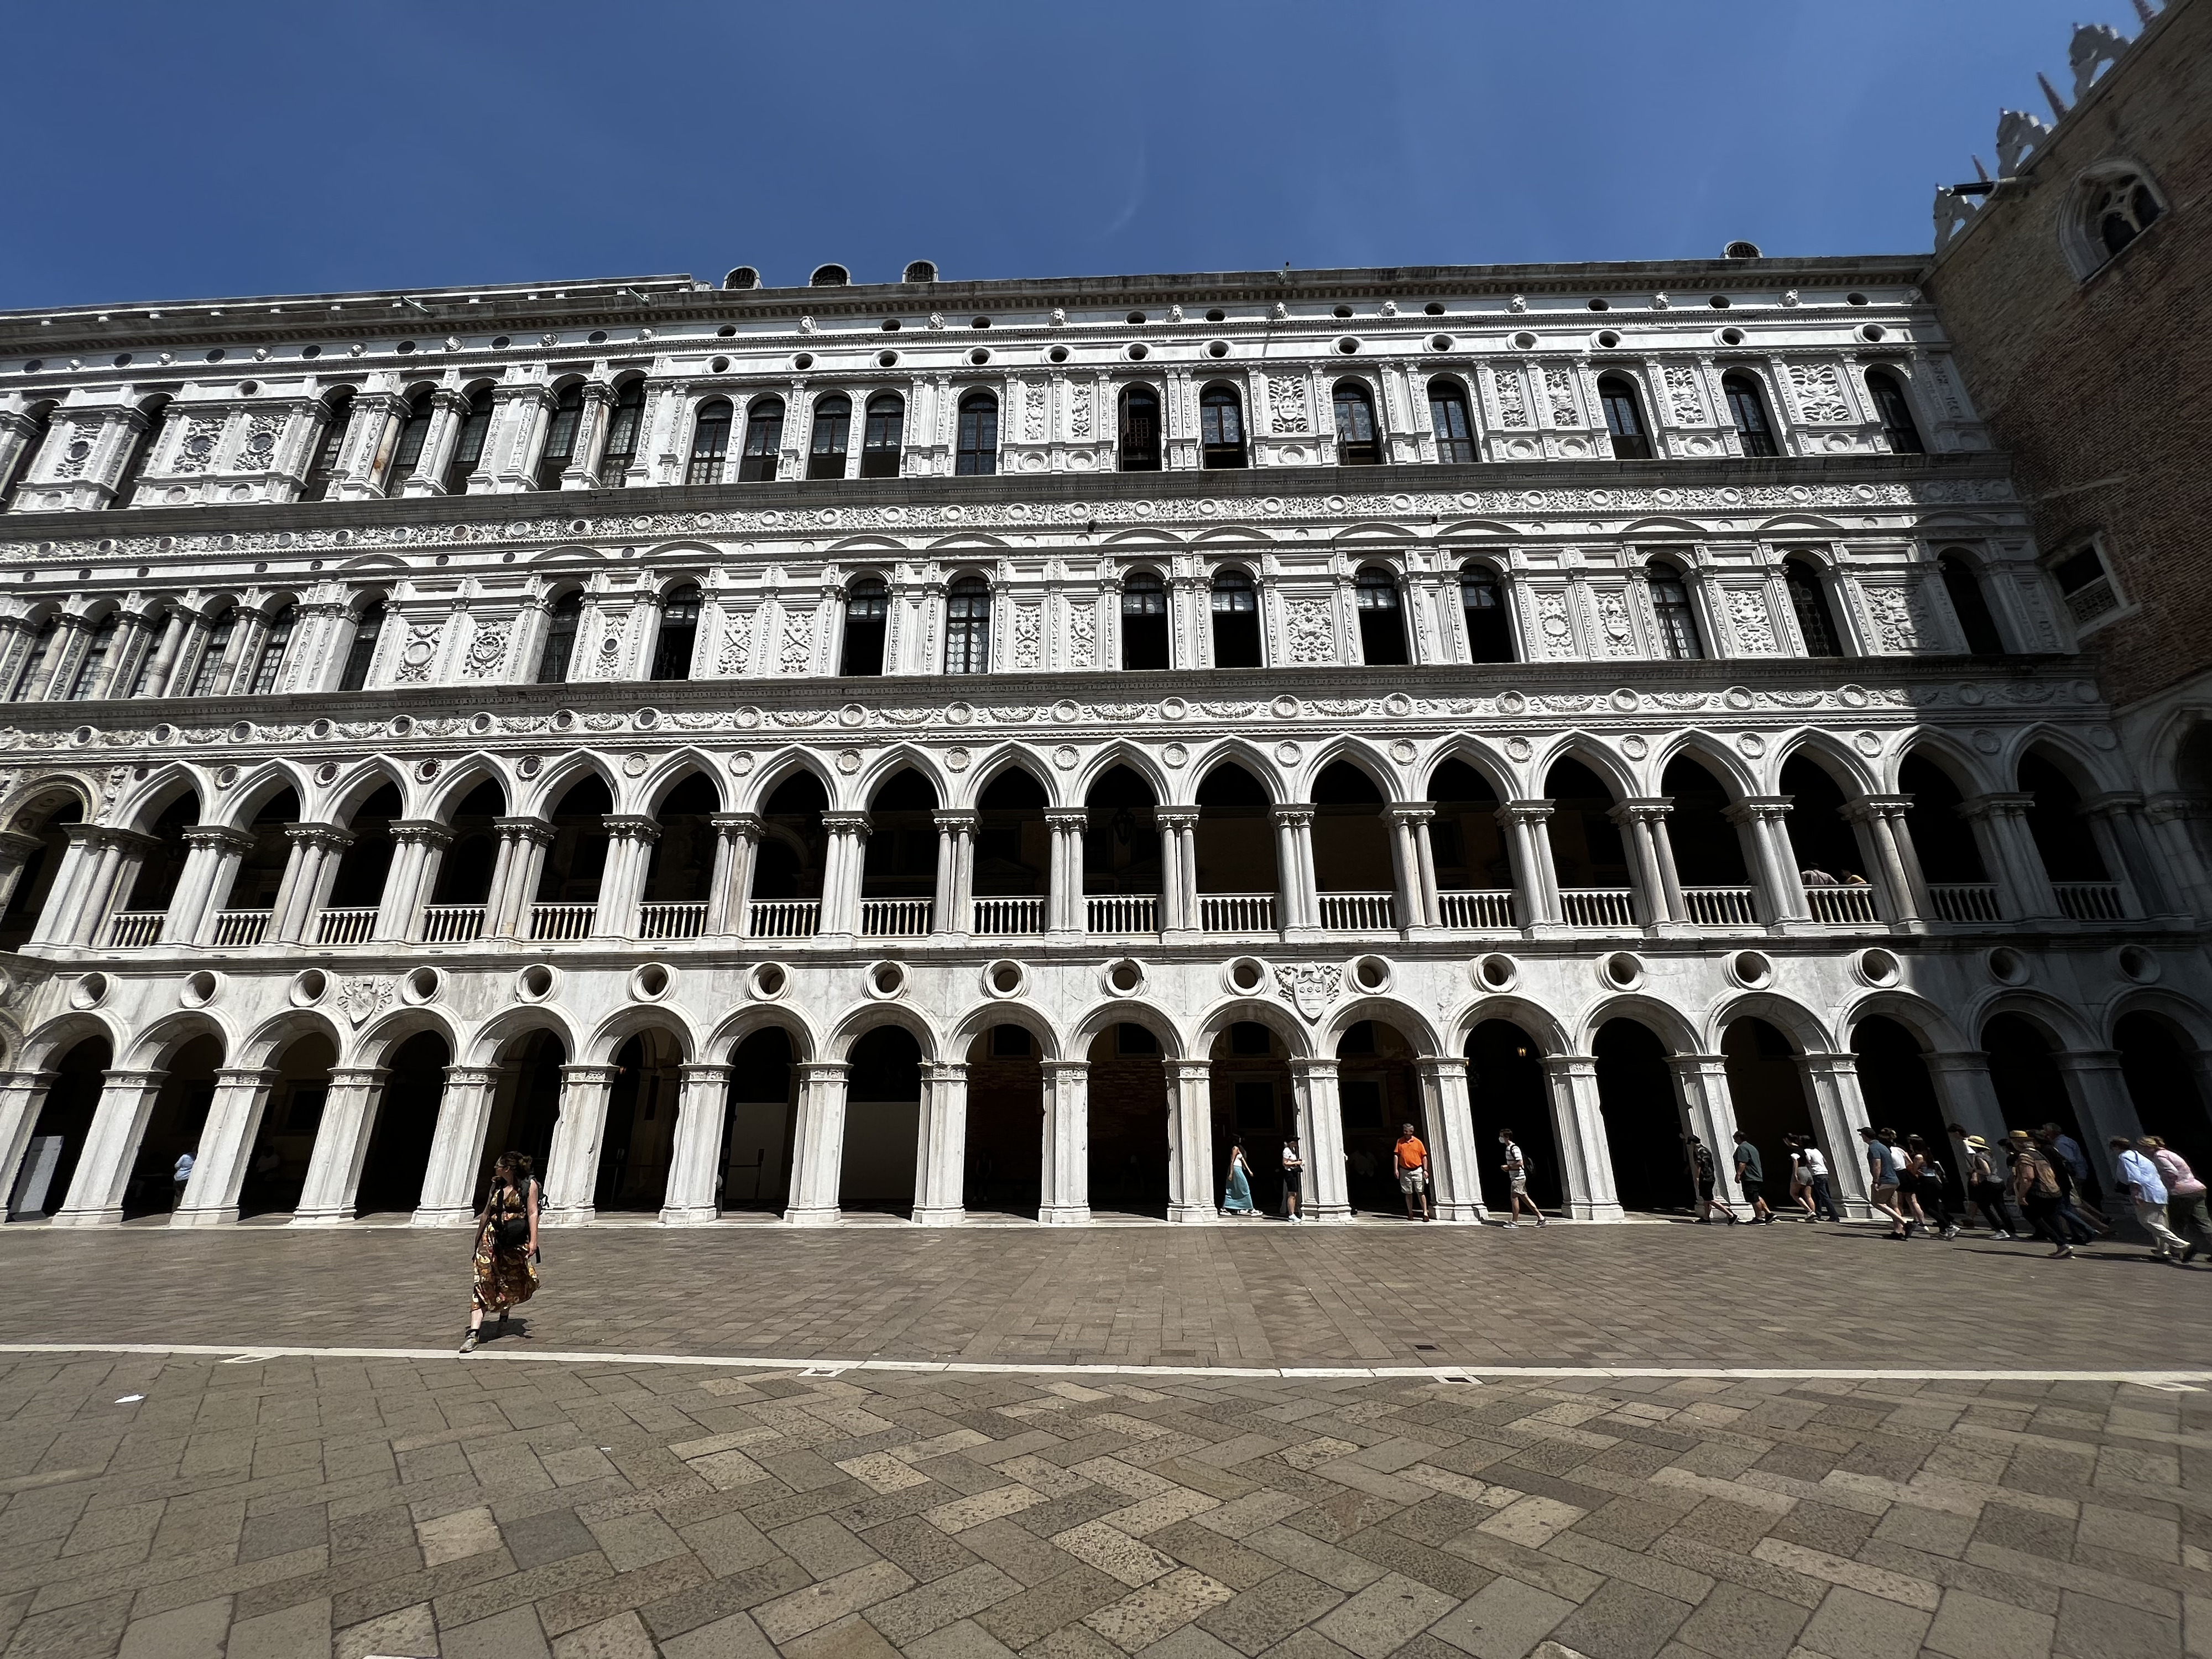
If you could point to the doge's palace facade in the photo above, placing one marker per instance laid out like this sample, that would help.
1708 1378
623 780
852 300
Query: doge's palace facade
937 748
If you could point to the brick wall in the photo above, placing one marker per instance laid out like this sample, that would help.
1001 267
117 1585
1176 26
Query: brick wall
2102 389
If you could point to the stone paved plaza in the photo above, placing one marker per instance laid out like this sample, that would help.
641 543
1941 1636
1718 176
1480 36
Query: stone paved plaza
261 1505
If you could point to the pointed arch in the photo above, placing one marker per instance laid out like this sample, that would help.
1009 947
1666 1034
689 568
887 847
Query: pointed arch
1844 764
1969 772
779 768
671 771
565 773
869 1015
243 801
983 1016
140 809
32 803
1614 773
441 798
1358 752
338 801
1247 756
863 786
1729 770
1478 757
1135 756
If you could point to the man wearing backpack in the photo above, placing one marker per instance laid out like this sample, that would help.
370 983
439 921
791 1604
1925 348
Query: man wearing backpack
1750 1174
1701 1172
2035 1183
1517 1175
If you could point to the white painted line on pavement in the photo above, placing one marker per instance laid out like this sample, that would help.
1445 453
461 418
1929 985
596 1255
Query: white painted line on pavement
234 1354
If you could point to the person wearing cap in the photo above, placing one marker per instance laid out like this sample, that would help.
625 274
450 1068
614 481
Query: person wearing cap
2140 1183
1986 1192
2035 1183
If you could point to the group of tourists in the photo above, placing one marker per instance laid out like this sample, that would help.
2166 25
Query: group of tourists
1409 1164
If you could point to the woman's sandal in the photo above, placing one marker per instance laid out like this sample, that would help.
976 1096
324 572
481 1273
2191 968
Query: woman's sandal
469 1342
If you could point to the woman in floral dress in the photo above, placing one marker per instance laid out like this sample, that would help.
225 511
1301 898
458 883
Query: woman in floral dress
506 1242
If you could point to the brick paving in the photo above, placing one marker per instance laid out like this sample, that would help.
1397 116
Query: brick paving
1254 1294
306 1508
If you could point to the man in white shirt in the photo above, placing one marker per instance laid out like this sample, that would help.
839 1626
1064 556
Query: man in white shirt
181 1177
1816 1181
1517 1175
2140 1183
1294 1169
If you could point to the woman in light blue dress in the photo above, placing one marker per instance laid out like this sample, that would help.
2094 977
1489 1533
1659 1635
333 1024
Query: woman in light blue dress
1237 1198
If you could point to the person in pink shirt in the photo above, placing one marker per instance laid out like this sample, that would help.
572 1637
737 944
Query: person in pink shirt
2185 1206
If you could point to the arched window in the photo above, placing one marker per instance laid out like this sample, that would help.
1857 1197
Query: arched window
1753 431
967 620
469 441
979 436
1898 428
1971 605
34 659
1810 599
1221 426
679 632
710 442
1235 620
763 441
833 436
1624 418
155 620
155 413
94 660
1358 442
868 613
1381 621
2119 210
42 421
212 677
330 440
407 453
1671 610
1144 621
361 655
1447 414
560 625
885 436
1141 430
1489 623
561 435
273 646
624 426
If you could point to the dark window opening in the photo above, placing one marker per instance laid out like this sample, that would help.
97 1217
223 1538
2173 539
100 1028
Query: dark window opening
1753 431
561 435
1235 621
1448 413
560 625
1671 611
156 415
42 420
323 471
868 610
624 426
763 441
710 443
469 443
1144 621
274 643
978 451
833 426
361 655
1899 429
1810 599
1141 430
1382 620
407 454
679 631
1489 622
967 626
1221 427
1623 419
1971 606
1358 440
885 434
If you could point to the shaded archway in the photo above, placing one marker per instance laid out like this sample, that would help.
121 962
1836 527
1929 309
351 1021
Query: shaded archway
1587 851
1766 1087
1475 871
1378 1093
2030 1087
525 1105
681 869
45 822
1122 854
1233 847
576 858
1013 855
1506 1090
636 1150
1006 1122
1253 1099
1354 881
1128 1095
466 870
2063 836
1708 849
1822 842
284 1141
2160 1066
365 866
898 871
786 882
162 865
883 1123
406 1123
261 868
1901 1095
175 1126
1643 1120
761 1124
58 1138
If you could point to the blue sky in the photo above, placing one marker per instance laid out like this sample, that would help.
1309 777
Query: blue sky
170 152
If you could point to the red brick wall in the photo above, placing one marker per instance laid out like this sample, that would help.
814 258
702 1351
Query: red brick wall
2102 389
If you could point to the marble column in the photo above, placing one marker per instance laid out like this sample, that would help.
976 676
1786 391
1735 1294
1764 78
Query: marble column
818 1146
2024 890
1179 912
1450 1115
694 1164
1320 1135
1585 1156
1190 1141
342 1142
572 1162
630 841
737 839
16 851
449 1185
1064 908
1652 856
1968 1092
940 1155
1535 878
1780 886
2180 823
2102 1105
1296 911
1882 820
517 868
212 856
111 1147
1701 1083
22 1096
842 872
2123 834
952 911
1065 1182
226 1146
1840 1112
309 872
1413 872
417 848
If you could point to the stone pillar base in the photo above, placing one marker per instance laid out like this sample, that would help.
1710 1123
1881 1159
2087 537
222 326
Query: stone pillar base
112 1217
1193 1212
579 1215
1331 1214
1460 1212
442 1219
827 1216
684 1215
1595 1212
939 1215
319 1218
205 1218
1065 1215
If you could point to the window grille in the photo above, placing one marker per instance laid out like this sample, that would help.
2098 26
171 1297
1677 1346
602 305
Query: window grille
968 623
1447 414
763 441
1357 442
833 430
885 436
710 443
1623 419
978 452
1753 431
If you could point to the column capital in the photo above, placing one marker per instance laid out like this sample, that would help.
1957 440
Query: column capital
427 831
1067 818
1642 809
133 1080
824 1070
538 830
217 835
330 836
2162 809
1175 818
945 1071
1845 1060
100 836
585 1074
14 844
1532 810
956 817
1064 1067
358 1077
1569 1065
40 1080
1997 803
1191 1071
1963 1059
2113 802
1700 1063
1441 1065
472 1077
1315 1066
452 402
252 1074
1297 817
631 826
1863 809
746 824
1753 809
705 1072
1410 813
846 824
2086 1060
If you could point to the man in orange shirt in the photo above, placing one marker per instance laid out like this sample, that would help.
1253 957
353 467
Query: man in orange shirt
1411 1161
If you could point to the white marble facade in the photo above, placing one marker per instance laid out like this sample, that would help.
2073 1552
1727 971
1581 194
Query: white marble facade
187 641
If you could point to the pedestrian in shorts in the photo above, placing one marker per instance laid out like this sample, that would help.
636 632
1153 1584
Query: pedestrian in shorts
1985 1189
1816 1179
1516 1176
1884 1171
2141 1185
1925 1170
1411 1160
1750 1175
1294 1169
1701 1172
2184 1192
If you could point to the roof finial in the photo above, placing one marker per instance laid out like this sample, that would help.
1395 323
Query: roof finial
2057 107
2144 12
